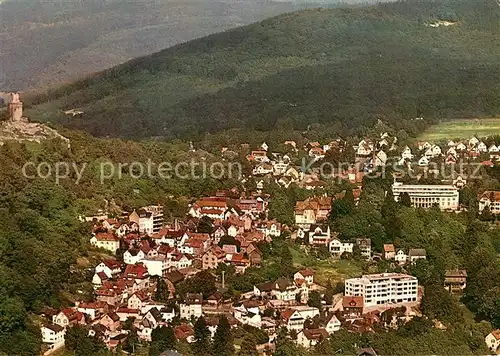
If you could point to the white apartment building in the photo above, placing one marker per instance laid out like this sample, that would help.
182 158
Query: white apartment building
384 288
425 196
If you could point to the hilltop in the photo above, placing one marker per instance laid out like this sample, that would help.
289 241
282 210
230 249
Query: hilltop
341 67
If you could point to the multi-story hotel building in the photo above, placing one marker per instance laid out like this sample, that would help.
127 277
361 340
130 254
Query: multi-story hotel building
384 288
425 196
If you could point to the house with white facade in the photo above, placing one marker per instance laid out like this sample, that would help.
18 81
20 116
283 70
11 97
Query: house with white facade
332 323
133 256
305 275
338 247
105 240
490 199
192 306
425 196
493 340
53 335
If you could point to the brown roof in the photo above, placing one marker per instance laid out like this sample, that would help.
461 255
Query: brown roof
456 273
352 302
113 316
174 276
314 203
491 195
315 334
112 263
54 327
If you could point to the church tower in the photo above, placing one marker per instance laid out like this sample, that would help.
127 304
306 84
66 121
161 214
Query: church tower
15 108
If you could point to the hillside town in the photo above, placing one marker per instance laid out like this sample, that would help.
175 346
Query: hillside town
154 279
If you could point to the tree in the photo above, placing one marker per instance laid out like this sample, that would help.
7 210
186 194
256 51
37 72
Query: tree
314 299
201 336
131 342
162 339
329 292
323 253
286 261
341 207
285 346
486 214
202 282
162 293
223 339
405 200
128 324
248 346
205 225
78 341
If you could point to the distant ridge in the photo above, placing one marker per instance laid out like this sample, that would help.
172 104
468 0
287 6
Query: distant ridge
345 67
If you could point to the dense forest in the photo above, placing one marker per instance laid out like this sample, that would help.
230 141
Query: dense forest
42 239
344 67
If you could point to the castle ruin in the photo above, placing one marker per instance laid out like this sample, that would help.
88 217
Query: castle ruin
15 108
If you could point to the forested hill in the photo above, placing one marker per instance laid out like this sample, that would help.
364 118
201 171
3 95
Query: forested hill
343 67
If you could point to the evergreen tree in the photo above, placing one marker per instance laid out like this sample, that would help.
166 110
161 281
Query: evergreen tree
405 200
78 341
286 261
349 201
223 340
162 338
314 299
162 293
285 346
342 207
248 346
329 292
486 214
389 206
201 336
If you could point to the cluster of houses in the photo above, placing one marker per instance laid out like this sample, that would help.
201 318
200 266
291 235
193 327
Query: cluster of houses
147 251
283 169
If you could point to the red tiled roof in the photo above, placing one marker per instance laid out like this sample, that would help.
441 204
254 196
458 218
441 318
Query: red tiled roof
306 272
105 236
102 276
496 334
195 243
183 331
112 263
286 314
352 302
389 248
135 271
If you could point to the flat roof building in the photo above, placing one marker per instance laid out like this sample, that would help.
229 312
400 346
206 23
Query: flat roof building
383 288
425 196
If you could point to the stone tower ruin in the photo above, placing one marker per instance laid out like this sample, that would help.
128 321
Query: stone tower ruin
15 107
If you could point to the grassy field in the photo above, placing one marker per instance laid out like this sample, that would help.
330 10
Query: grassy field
461 129
324 270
